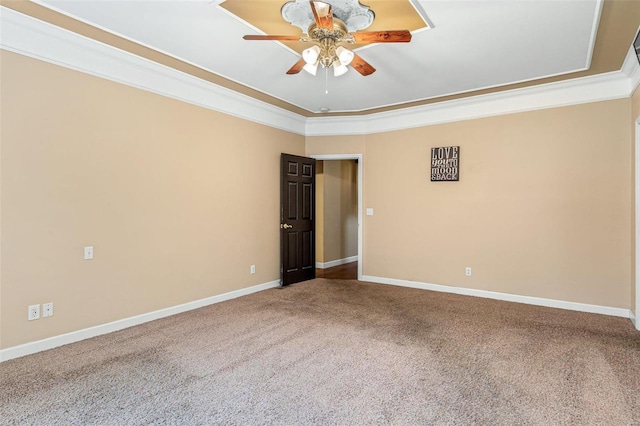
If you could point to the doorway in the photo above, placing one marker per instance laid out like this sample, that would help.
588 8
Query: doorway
339 216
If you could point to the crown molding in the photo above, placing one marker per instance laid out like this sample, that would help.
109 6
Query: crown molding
631 69
602 87
46 42
594 33
40 40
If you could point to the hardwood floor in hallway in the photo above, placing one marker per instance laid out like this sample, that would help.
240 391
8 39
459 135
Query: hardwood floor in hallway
348 271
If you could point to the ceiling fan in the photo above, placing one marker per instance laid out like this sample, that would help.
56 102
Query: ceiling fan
328 33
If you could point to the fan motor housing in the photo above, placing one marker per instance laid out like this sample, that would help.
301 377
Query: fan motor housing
338 34
328 40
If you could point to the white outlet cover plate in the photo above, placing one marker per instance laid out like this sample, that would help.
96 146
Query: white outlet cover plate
47 310
88 253
33 312
369 212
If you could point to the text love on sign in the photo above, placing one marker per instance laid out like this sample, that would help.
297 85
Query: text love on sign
445 164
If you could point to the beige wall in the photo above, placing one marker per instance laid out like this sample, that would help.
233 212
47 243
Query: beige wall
174 199
178 201
326 145
349 208
320 211
542 207
1 138
340 210
635 117
336 210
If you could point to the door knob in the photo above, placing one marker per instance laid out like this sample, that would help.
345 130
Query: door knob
286 226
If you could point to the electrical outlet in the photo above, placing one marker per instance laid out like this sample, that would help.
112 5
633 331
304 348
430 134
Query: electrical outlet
47 310
34 312
253 269
467 271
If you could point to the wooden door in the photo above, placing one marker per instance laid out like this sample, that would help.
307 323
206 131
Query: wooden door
297 219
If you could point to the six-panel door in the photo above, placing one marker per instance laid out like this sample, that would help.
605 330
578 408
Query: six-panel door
297 214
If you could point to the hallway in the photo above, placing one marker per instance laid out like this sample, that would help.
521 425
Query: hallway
348 271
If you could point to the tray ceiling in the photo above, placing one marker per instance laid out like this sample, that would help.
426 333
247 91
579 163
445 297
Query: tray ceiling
472 46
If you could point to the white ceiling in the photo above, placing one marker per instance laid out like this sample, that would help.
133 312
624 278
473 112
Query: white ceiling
473 45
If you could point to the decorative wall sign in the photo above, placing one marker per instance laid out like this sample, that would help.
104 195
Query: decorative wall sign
445 163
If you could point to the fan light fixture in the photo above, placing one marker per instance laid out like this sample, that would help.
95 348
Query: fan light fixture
328 55
311 68
345 56
328 32
311 54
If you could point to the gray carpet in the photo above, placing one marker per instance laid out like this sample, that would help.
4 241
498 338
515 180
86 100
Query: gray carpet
339 352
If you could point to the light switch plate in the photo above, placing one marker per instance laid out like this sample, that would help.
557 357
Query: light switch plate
369 212
88 253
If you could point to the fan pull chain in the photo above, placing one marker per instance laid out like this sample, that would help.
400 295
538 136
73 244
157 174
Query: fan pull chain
326 81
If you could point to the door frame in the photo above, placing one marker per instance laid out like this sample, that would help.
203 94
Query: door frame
636 316
330 157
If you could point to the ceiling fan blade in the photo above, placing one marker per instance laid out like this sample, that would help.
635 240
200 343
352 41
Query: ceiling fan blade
297 67
271 37
362 66
322 14
394 36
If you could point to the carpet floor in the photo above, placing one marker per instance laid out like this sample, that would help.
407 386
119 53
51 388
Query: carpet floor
339 352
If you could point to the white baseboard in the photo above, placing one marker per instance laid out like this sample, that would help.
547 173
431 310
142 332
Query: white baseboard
76 336
529 300
338 262
634 319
